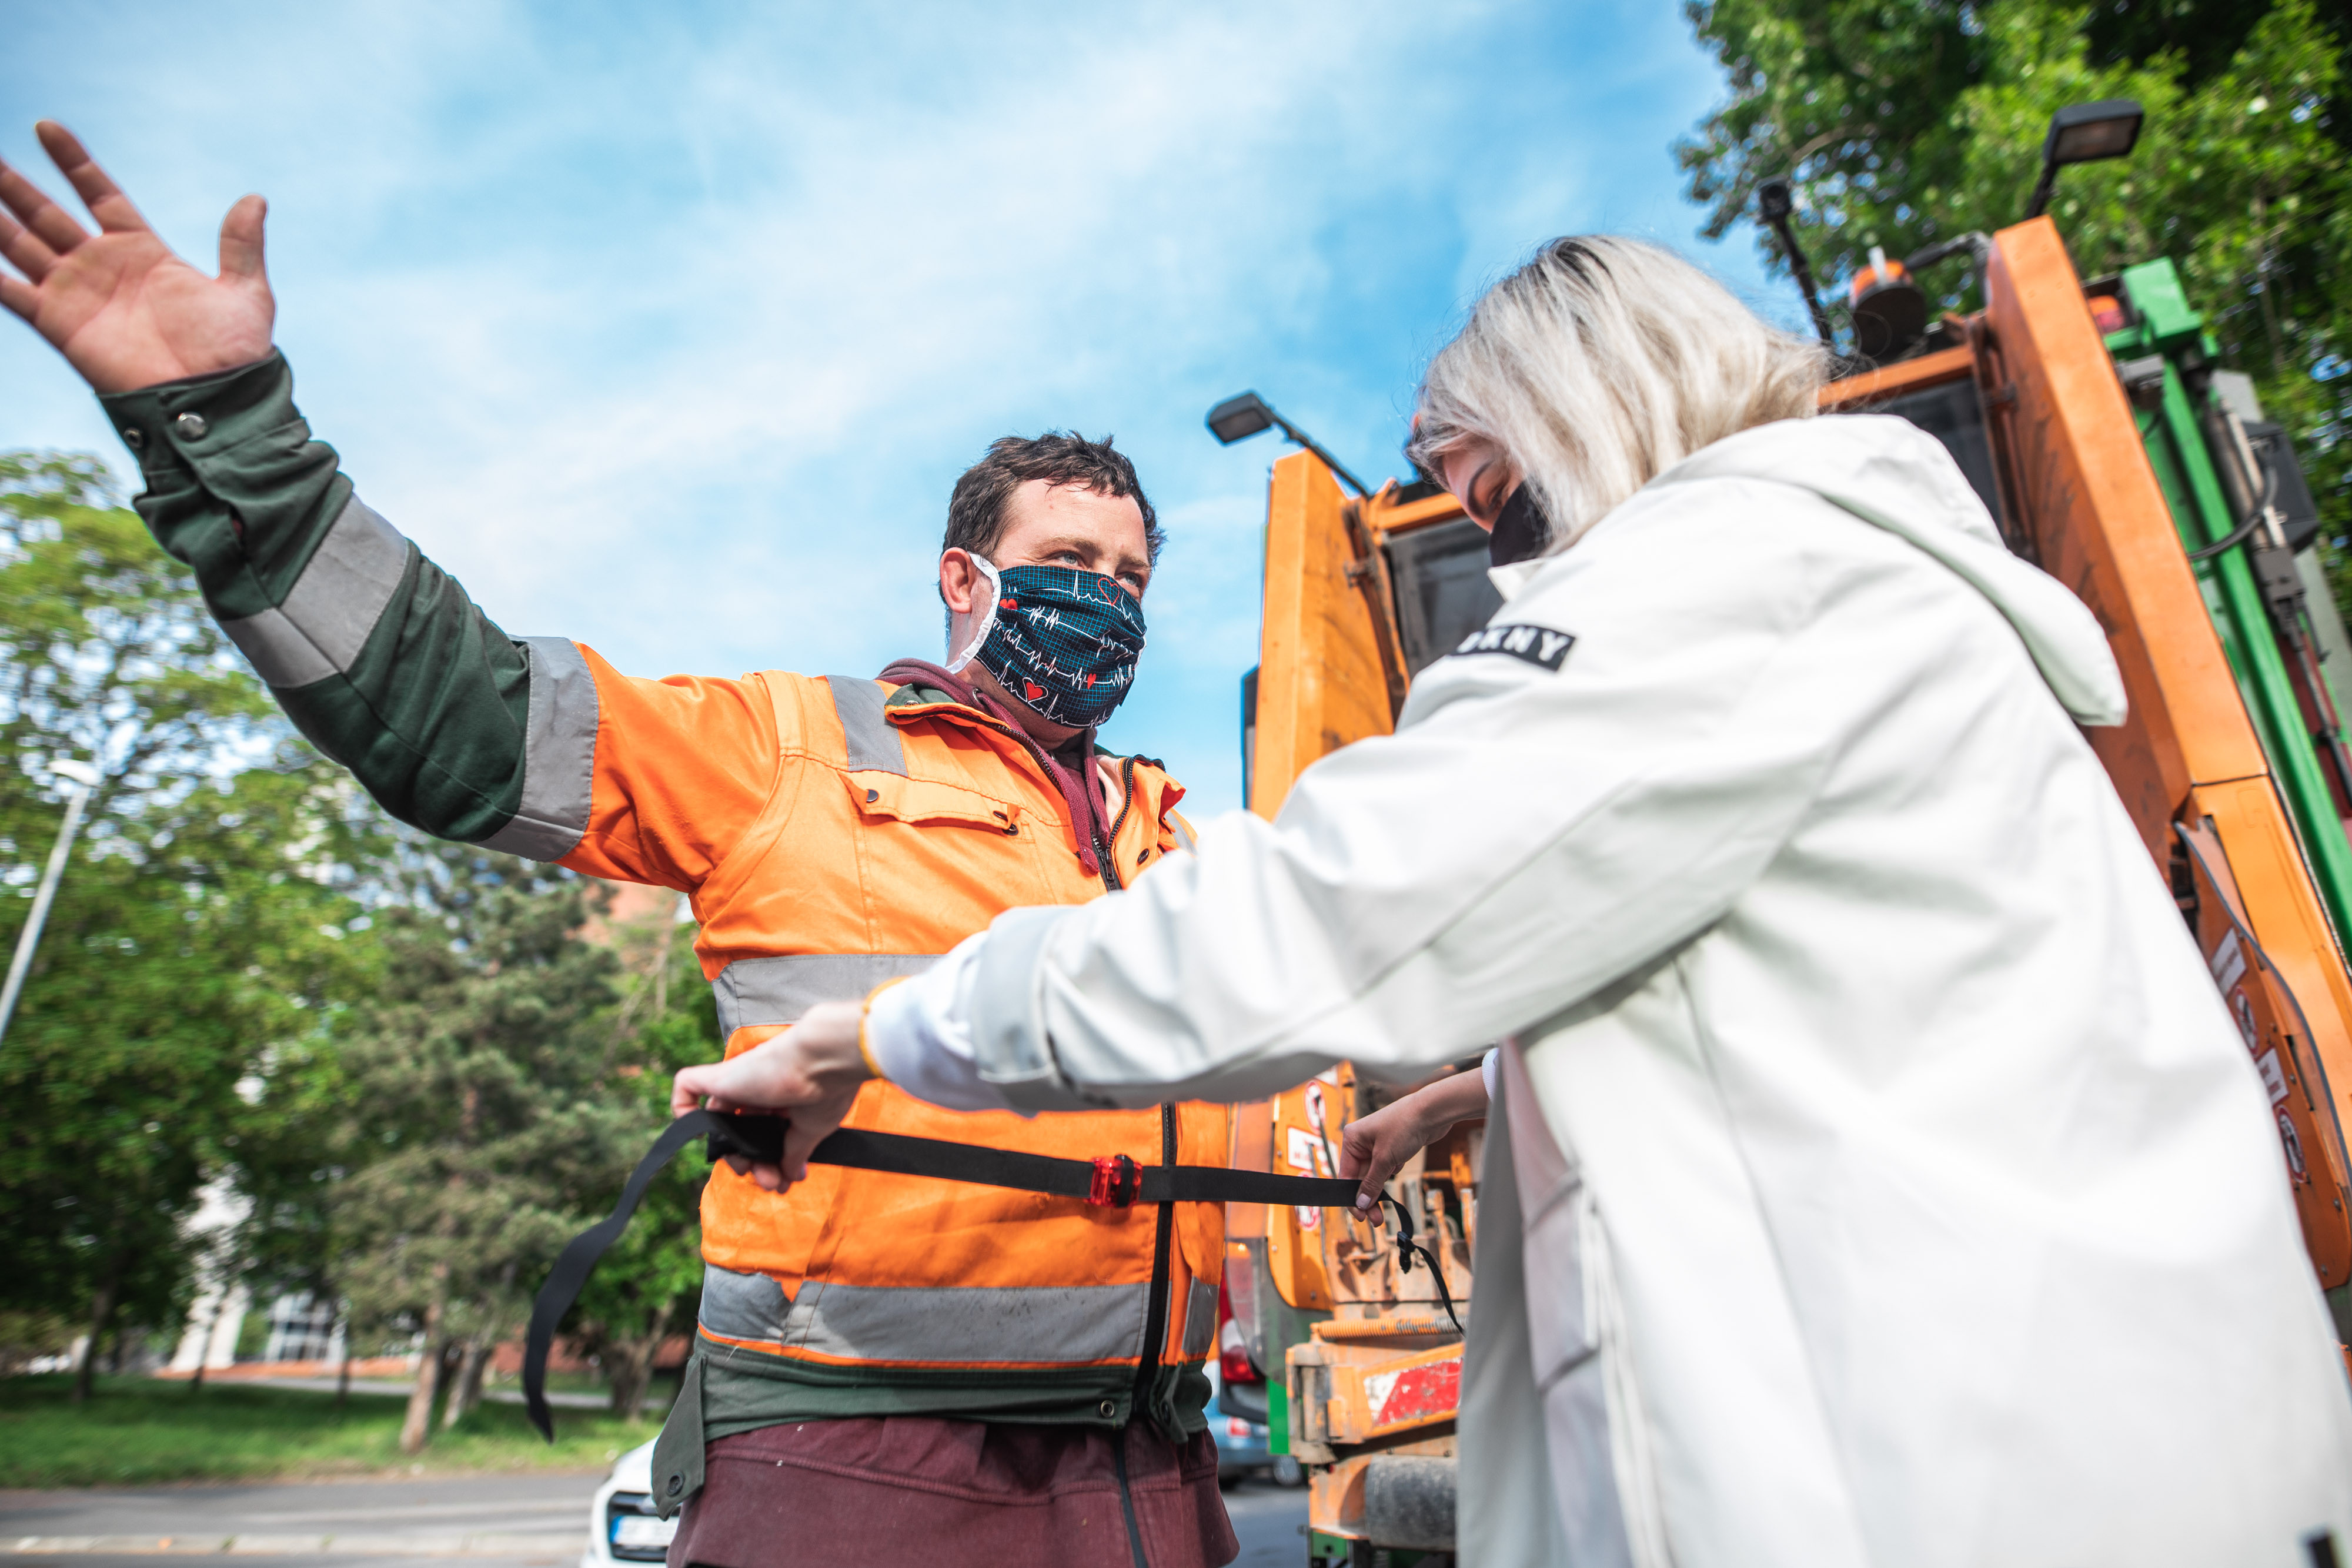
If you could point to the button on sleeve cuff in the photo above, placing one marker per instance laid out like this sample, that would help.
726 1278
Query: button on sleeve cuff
169 425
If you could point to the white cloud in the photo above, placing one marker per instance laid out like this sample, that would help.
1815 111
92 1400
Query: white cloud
670 330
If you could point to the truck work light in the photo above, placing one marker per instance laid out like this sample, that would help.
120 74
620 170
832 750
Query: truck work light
1238 418
2085 133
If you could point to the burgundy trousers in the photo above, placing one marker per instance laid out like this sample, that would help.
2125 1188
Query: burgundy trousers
874 1493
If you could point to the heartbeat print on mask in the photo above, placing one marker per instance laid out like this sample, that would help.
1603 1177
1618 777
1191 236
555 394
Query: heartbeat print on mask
1063 640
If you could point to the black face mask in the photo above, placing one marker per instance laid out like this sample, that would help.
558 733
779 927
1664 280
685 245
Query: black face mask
1521 528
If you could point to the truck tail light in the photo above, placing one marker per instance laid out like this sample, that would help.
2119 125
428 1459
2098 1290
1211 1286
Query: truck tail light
1233 1364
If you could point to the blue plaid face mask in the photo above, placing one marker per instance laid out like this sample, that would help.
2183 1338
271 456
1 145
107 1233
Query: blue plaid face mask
1063 640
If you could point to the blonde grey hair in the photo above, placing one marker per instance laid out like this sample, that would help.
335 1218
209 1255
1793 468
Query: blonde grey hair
1602 362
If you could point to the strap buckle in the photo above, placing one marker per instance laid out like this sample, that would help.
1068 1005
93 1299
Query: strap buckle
1116 1181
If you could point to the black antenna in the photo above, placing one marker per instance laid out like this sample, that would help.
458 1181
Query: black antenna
1774 204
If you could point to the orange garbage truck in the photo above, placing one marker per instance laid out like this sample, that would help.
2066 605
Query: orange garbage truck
2114 453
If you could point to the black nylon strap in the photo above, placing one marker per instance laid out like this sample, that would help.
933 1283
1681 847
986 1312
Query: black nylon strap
761 1138
579 1256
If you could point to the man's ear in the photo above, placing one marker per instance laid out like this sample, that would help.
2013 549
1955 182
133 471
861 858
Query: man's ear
958 579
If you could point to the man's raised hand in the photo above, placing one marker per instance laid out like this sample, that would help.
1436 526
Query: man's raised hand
122 308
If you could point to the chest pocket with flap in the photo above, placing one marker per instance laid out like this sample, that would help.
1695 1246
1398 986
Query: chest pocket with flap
895 798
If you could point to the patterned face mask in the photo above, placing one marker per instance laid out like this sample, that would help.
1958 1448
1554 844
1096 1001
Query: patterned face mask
1063 640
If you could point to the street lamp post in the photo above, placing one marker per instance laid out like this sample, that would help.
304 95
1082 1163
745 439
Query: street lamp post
84 779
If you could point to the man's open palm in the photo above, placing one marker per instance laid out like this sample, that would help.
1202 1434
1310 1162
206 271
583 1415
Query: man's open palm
118 304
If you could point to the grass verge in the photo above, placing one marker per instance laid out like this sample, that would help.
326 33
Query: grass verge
139 1430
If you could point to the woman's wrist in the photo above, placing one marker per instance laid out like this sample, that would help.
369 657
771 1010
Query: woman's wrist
1430 1122
865 1027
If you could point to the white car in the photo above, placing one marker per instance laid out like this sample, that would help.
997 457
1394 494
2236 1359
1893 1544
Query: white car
621 1523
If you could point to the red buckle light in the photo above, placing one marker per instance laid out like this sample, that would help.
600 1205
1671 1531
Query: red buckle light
1116 1182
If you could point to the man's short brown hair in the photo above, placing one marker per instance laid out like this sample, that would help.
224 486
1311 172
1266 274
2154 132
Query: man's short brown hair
976 510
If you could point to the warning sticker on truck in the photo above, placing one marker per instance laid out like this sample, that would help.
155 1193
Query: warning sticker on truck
1305 1154
2273 1075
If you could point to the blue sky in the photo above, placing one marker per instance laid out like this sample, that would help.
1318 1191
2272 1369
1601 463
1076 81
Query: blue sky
668 329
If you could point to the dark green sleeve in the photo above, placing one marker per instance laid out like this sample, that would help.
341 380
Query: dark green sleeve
375 653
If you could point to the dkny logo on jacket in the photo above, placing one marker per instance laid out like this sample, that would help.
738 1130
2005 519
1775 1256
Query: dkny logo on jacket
1539 645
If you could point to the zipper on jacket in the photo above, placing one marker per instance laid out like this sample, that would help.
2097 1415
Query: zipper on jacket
1155 1321
1126 804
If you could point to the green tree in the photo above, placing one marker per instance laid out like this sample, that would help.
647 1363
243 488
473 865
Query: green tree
201 929
1906 121
649 1285
300 1136
484 1132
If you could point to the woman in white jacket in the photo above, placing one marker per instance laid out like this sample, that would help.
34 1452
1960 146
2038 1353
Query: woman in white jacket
1877 1177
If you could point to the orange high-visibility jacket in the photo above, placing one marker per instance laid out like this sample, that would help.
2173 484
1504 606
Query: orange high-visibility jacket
832 837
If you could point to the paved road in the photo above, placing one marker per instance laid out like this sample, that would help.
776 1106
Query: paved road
1269 1519
490 1521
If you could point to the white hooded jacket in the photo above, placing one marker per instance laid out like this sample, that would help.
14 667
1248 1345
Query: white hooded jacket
1879 1177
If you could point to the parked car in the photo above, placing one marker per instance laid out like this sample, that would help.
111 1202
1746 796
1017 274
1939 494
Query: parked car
621 1523
1238 1424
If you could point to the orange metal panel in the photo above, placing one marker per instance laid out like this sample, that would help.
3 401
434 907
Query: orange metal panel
2098 522
2278 1030
1396 1394
1320 683
1894 380
1306 1125
2100 525
2278 903
1335 1502
1334 1498
1386 514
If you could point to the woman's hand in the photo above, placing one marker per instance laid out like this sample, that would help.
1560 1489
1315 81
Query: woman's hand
812 1070
1377 1146
122 308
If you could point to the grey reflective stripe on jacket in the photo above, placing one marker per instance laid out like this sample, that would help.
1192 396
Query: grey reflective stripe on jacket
753 991
1199 1320
873 742
558 764
334 607
378 656
1056 1323
780 990
326 617
1032 1324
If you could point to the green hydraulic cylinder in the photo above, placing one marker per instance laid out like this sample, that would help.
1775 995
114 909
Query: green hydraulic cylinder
2176 444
